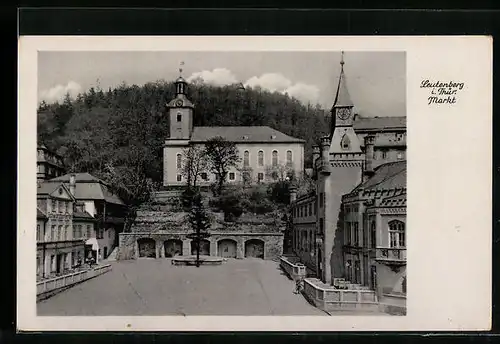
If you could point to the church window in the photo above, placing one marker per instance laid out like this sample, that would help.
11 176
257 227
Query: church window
275 158
289 158
204 176
384 154
261 158
246 158
179 117
179 161
345 143
397 234
231 176
179 177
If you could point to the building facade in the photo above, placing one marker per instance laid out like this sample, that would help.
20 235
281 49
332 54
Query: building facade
58 246
264 152
49 164
359 207
106 208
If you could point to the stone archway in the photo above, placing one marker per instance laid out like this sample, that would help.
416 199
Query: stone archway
173 247
204 247
147 248
254 248
227 248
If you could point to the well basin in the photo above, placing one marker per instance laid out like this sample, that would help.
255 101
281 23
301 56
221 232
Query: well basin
191 260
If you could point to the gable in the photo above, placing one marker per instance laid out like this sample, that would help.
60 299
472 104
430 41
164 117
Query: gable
61 192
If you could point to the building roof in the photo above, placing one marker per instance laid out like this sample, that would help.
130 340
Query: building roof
379 123
394 201
250 134
387 176
40 214
47 188
83 215
89 187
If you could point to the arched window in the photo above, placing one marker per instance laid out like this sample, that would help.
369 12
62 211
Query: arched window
275 158
345 143
289 158
179 161
246 158
179 116
397 233
261 158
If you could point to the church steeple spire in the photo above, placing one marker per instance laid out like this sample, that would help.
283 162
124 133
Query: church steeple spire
342 97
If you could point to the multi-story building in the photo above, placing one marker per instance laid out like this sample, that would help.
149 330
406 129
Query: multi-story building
360 198
264 152
58 246
49 164
84 223
104 206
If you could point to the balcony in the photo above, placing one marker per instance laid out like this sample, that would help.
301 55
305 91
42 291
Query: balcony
394 257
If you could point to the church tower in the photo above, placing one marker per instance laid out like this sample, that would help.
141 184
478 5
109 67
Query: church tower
340 171
180 112
343 138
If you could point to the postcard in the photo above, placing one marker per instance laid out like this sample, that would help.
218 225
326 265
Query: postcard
285 183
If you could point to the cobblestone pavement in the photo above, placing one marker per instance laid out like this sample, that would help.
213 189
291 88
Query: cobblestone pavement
155 287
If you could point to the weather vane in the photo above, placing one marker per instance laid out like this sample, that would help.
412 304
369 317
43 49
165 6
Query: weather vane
180 68
342 58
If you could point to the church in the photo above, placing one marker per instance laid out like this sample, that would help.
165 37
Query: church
262 149
352 230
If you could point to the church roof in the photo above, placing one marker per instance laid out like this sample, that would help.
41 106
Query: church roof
89 187
250 134
387 176
379 123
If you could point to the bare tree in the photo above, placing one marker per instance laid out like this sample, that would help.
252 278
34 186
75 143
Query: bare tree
195 163
221 155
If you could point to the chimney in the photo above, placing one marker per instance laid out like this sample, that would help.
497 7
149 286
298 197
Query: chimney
293 193
369 155
72 184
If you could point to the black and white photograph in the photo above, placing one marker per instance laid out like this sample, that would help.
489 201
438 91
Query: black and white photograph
264 183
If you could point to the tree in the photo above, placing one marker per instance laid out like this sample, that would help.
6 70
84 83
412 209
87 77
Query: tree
222 155
199 222
280 172
195 163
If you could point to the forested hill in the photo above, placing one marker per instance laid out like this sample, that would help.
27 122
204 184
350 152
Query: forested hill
129 122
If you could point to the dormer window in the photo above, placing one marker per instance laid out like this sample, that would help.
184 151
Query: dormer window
273 137
245 137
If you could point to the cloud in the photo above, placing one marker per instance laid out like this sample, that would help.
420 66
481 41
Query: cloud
275 82
58 92
303 92
217 77
272 82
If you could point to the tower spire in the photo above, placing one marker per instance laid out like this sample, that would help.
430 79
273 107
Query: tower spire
342 97
180 68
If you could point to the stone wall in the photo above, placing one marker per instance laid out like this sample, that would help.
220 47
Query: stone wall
272 243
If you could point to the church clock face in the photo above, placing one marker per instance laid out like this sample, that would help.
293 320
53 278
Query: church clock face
178 102
343 113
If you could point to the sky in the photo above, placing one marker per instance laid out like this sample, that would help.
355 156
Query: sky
376 80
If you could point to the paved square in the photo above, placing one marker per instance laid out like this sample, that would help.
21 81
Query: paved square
155 287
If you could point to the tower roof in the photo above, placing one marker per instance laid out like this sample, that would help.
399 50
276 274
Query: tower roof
342 97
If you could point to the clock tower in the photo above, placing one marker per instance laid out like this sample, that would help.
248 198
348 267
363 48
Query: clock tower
343 137
180 112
